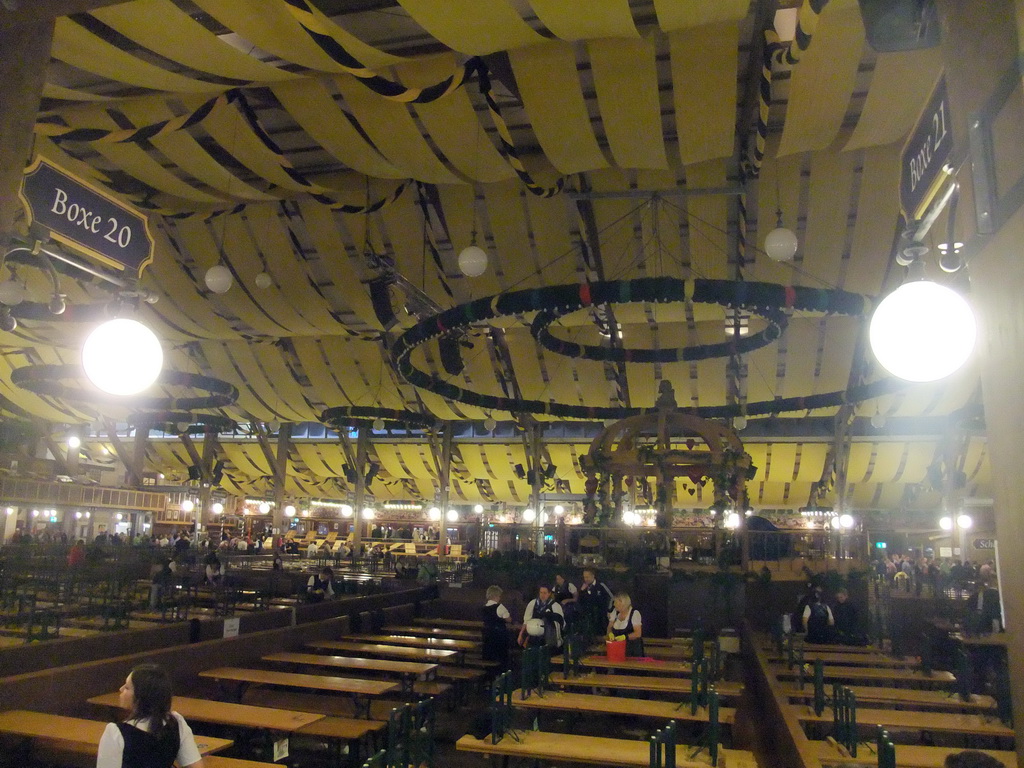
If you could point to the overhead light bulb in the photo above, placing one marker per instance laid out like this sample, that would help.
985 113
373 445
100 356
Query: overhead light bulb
289 510
122 357
188 505
368 514
378 424
964 522
74 442
346 510
217 508
434 514
479 509
490 423
452 516
946 523
846 521
529 515
218 279
263 281
559 510
57 304
878 420
739 423
473 260
264 507
12 292
781 243
922 331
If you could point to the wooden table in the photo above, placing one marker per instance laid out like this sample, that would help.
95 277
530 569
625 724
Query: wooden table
946 722
937 678
656 667
849 659
452 634
907 756
226 713
446 643
388 651
75 734
476 624
360 690
565 701
905 697
675 686
408 671
568 747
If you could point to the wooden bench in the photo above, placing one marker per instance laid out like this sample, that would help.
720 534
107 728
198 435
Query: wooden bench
330 706
850 659
946 722
386 651
476 624
907 755
613 705
75 734
936 679
444 643
908 698
669 685
358 689
564 747
226 713
451 634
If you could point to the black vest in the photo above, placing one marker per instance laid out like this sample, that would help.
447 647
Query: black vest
491 621
146 750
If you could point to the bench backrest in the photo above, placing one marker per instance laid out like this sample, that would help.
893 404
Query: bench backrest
886 749
663 747
501 706
535 671
844 718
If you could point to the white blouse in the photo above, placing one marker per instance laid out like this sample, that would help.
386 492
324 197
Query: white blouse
111 748
621 621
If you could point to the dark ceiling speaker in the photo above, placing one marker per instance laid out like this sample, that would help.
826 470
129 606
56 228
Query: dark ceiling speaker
900 25
194 472
549 471
218 472
380 298
351 476
371 473
451 355
520 472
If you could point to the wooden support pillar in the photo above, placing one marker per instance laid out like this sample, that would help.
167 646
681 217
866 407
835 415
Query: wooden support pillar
24 58
362 452
280 466
537 487
139 453
206 472
445 481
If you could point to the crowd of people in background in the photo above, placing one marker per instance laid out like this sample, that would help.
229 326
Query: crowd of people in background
933 576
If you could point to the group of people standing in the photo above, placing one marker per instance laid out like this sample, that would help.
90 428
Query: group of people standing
590 608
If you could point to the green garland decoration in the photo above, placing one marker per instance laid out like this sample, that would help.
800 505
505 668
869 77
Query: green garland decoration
751 296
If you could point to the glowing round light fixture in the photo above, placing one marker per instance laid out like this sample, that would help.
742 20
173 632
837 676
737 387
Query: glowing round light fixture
218 279
122 357
452 516
434 514
964 522
263 281
217 508
922 331
559 510
732 520
378 424
946 523
846 521
346 510
368 514
529 515
74 442
473 260
12 293
289 510
739 423
264 507
479 509
781 244
188 505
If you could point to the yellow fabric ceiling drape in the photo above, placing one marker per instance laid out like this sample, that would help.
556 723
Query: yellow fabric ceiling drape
475 27
586 19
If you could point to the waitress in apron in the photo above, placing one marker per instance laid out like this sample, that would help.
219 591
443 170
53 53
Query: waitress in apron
626 623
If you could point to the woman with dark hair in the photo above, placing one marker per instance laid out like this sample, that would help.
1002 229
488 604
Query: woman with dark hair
153 736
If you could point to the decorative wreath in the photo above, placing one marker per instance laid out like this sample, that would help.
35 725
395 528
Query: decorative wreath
364 416
765 299
47 380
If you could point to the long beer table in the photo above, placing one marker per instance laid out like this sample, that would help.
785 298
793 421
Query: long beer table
384 651
935 679
565 701
945 722
408 671
360 690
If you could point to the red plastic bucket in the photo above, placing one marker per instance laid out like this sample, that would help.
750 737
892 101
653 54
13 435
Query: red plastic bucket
615 650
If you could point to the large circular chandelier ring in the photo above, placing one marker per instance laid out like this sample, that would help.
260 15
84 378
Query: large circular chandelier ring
47 380
364 416
175 418
776 319
760 298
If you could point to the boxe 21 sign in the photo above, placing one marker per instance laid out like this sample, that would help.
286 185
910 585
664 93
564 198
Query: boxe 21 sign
86 218
926 154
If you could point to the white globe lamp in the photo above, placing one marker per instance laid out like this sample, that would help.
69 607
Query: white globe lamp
490 423
368 514
264 507
878 420
473 260
346 510
378 424
846 521
529 515
122 357
218 279
289 510
217 508
781 244
74 442
559 510
263 281
479 509
188 505
964 522
922 331
452 516
946 523
434 514
12 293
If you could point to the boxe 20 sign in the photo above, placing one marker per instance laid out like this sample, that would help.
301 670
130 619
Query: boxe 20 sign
86 218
